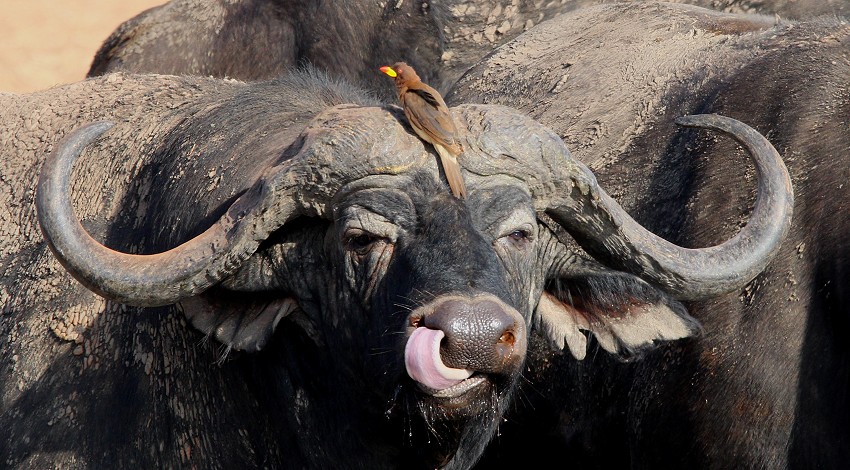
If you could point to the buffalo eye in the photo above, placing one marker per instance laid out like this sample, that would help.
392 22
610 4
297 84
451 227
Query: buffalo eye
518 235
519 238
360 242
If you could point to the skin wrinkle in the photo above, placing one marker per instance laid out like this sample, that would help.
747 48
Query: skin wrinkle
377 265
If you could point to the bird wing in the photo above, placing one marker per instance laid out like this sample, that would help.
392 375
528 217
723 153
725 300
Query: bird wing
430 115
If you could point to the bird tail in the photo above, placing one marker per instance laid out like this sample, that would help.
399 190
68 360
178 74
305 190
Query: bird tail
452 169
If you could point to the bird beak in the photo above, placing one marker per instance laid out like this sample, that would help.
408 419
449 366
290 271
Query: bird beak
389 71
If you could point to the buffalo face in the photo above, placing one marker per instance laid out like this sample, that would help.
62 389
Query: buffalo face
412 253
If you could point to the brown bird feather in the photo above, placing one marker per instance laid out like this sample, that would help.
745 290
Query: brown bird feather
431 120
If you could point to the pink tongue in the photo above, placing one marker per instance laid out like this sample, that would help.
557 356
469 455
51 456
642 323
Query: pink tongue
423 362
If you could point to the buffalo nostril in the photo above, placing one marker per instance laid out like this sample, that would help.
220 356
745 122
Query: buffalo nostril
507 338
480 335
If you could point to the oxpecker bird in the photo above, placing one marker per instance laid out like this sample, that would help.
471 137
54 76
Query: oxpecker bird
430 118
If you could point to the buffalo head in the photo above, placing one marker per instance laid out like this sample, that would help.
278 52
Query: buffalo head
421 304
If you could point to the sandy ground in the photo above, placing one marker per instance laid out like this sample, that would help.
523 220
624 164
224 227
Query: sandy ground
49 42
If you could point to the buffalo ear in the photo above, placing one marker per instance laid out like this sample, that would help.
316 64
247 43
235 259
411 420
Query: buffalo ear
240 324
624 314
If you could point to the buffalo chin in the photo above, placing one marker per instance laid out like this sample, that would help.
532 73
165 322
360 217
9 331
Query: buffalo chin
479 395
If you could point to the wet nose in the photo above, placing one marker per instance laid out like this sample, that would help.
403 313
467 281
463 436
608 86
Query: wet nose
481 335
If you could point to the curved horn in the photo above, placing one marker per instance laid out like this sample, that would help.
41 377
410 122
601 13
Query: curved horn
311 171
163 278
605 230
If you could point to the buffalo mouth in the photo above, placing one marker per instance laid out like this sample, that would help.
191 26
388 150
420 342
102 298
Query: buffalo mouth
461 352
447 388
471 397
424 363
474 382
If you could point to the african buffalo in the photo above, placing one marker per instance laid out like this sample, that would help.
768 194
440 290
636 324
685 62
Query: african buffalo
302 221
768 385
260 39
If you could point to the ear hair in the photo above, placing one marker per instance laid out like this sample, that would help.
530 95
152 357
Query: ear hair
562 324
625 314
246 327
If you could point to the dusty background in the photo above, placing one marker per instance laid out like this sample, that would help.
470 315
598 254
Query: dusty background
48 42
